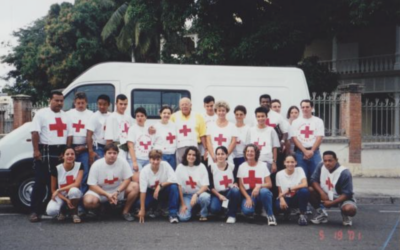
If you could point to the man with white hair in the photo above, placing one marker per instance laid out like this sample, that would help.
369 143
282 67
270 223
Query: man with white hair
191 129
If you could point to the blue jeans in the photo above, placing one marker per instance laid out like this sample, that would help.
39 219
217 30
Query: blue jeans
170 193
264 197
233 195
83 158
99 150
203 200
310 165
299 200
171 159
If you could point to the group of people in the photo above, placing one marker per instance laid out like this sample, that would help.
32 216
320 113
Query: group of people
187 161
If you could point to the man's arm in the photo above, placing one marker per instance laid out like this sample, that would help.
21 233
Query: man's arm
35 144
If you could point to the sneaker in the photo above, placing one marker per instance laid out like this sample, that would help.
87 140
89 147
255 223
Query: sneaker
151 213
128 217
271 220
34 217
263 213
294 211
346 220
231 220
91 214
61 217
302 220
320 217
309 209
173 220
164 212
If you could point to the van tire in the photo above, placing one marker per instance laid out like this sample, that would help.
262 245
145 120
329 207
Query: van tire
21 193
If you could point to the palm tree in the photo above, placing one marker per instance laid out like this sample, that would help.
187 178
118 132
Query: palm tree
143 45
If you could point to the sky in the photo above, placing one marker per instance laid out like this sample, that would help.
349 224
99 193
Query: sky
16 14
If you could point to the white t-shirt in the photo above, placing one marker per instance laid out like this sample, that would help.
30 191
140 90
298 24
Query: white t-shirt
149 179
209 119
307 130
222 179
252 176
274 119
240 141
142 140
80 120
191 179
53 128
97 124
266 139
221 136
286 181
117 127
167 138
109 177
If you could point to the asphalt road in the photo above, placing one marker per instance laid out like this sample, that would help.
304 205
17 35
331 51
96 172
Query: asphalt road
374 227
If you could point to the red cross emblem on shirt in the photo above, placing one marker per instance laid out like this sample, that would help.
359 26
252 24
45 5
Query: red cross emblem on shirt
191 183
329 184
225 181
270 124
259 145
59 126
252 180
78 126
220 139
112 181
155 184
70 179
238 142
307 132
185 130
171 138
126 128
145 145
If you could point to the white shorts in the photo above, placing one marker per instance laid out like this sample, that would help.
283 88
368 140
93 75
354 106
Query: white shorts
104 199
54 206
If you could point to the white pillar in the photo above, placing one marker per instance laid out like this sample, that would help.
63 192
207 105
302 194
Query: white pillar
397 53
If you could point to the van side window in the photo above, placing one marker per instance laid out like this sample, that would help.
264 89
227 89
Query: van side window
92 91
153 100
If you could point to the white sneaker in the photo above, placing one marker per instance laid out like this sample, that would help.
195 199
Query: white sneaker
173 220
294 211
346 220
263 213
320 217
272 220
231 220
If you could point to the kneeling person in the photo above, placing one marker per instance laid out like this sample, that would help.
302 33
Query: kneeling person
158 182
332 186
110 181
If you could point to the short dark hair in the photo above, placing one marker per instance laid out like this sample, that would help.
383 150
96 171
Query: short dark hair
276 100
80 95
264 96
262 110
308 101
121 97
290 155
223 148
290 110
240 108
111 146
208 99
68 147
256 149
184 157
141 110
329 152
55 92
104 97
166 107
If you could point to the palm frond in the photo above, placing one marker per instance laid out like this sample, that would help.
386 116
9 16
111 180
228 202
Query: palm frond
115 20
125 39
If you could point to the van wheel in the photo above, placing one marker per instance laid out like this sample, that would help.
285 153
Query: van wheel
21 193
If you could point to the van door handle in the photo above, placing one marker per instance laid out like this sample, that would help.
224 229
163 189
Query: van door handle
28 140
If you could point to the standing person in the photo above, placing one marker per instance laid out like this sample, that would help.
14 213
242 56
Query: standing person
224 188
51 131
242 128
191 129
110 181
66 180
96 129
308 132
293 189
79 117
209 116
192 178
332 186
221 133
117 127
265 138
167 133
254 184
140 142
292 114
157 184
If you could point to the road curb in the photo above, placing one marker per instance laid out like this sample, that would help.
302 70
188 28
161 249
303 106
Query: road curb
381 200
5 201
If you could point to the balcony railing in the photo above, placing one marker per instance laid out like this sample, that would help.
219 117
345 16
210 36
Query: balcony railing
358 65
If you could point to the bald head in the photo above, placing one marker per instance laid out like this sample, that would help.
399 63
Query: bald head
185 106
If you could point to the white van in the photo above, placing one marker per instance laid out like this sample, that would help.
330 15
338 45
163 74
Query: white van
151 86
